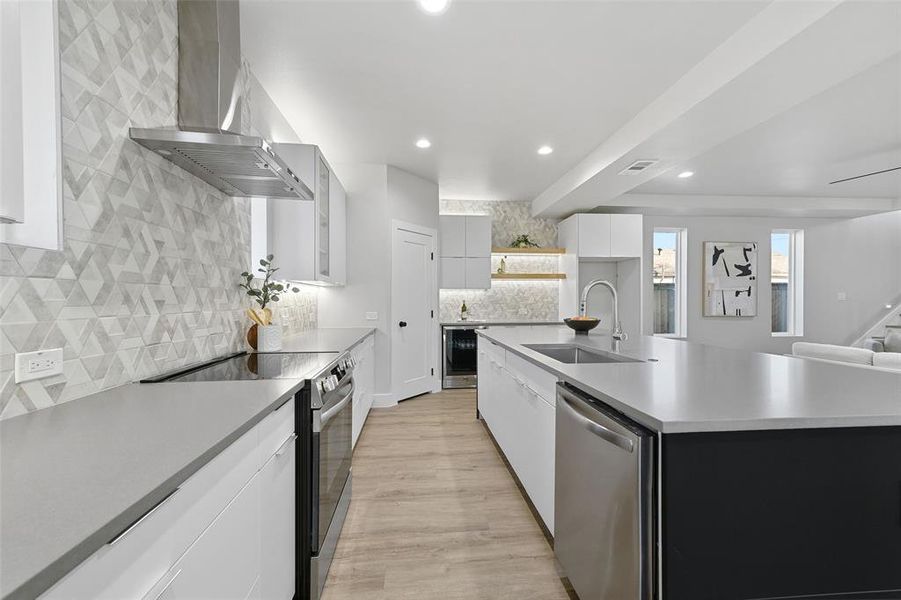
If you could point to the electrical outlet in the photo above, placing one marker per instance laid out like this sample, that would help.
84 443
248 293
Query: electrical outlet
841 296
372 316
38 365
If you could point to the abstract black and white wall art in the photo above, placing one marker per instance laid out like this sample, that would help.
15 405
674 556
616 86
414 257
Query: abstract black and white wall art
730 279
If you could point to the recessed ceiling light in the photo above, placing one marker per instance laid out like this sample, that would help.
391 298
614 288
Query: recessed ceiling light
423 143
686 174
545 150
434 7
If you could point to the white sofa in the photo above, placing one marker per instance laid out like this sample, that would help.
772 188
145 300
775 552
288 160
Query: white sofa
858 357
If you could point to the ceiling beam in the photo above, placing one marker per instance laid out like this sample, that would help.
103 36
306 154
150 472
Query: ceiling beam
786 54
751 206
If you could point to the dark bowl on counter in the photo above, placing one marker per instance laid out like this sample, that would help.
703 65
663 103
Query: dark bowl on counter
582 325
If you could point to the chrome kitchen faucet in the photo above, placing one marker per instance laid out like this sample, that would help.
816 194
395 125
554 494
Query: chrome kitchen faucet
618 334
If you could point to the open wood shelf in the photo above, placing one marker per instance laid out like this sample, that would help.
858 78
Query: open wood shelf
502 250
523 276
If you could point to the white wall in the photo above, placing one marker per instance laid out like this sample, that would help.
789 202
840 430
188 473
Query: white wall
412 198
860 257
376 194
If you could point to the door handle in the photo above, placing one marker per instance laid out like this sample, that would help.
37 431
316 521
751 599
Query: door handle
402 324
140 519
596 428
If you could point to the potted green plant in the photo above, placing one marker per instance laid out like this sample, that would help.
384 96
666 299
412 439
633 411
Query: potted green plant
263 335
523 241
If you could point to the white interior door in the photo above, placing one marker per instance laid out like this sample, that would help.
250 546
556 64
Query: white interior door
413 291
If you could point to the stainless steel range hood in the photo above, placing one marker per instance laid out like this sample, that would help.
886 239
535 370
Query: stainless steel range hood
208 141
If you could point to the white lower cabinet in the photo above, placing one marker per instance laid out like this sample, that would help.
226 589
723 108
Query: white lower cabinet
364 384
227 532
277 532
513 402
224 562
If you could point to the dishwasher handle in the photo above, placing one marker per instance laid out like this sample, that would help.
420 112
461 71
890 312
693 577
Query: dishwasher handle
580 410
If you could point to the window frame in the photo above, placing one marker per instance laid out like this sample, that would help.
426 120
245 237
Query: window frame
680 310
795 286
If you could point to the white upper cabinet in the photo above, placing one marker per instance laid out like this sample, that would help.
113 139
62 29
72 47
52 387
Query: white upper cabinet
601 236
465 251
452 236
308 239
626 235
478 237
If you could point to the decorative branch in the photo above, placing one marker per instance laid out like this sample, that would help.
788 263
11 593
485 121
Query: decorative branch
269 291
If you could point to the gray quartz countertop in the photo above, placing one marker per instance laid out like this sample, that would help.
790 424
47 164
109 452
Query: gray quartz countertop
326 339
74 475
699 388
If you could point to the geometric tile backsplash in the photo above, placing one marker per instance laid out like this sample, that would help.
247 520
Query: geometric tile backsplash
146 281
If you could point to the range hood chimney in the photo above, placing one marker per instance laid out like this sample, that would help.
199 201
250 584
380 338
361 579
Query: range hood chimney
209 142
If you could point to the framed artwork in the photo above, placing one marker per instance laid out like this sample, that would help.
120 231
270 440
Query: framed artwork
730 279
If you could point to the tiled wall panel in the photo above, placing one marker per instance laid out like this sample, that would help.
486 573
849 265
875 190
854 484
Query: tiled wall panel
147 278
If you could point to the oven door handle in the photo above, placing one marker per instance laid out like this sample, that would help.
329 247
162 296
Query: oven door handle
327 415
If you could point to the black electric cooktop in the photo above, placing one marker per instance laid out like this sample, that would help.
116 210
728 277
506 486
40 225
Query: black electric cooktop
281 365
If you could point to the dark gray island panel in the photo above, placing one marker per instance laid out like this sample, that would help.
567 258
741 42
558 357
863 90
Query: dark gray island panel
784 513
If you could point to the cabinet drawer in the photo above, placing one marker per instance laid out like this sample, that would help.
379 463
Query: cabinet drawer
128 568
275 429
542 382
493 351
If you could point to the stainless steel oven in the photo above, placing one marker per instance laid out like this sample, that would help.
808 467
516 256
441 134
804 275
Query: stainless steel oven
459 356
331 402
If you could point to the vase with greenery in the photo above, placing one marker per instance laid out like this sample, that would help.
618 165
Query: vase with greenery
523 241
264 294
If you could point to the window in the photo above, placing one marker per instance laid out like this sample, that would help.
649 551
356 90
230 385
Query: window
669 282
786 280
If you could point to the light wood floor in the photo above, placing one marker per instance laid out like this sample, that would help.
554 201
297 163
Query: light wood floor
436 514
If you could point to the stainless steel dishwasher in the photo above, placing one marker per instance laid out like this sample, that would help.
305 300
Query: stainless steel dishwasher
604 500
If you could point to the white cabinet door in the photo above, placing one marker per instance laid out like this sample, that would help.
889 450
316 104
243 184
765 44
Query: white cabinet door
452 236
453 273
594 236
478 273
338 230
478 236
323 218
537 470
277 533
626 232
364 380
224 562
290 226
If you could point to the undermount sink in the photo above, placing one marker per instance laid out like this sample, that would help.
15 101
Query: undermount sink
573 354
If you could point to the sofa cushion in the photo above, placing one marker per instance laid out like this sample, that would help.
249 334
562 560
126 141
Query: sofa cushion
860 356
887 360
892 342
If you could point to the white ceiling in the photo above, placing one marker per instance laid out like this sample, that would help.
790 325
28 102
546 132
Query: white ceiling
848 130
765 101
488 82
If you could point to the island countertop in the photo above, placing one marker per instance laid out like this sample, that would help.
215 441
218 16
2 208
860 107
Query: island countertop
682 387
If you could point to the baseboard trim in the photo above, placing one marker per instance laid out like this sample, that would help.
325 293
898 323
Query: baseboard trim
384 400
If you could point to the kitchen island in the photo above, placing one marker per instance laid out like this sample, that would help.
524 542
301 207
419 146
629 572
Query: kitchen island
772 476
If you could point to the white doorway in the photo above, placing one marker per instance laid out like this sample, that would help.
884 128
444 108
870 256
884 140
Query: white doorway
414 282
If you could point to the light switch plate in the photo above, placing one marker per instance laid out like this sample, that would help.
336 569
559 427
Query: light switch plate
372 316
38 365
841 296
